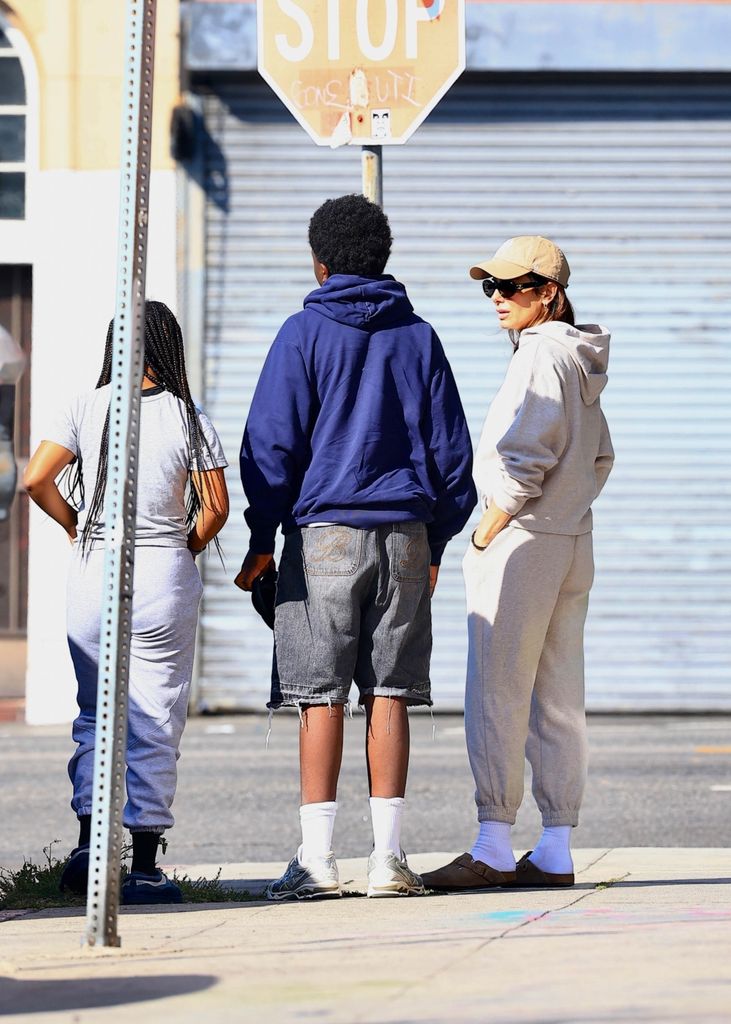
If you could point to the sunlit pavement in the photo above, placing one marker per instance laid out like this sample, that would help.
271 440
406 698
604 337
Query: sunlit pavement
643 936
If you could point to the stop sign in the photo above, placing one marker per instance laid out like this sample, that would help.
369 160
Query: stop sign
360 71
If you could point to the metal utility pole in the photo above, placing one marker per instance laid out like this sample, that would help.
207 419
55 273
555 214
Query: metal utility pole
121 491
372 167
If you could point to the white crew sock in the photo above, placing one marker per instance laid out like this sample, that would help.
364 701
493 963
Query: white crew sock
553 852
493 846
386 815
318 822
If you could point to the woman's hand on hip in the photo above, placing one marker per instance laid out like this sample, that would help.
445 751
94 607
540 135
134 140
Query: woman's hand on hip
492 522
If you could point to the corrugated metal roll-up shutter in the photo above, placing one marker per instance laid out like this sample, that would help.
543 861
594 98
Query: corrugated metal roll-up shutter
630 176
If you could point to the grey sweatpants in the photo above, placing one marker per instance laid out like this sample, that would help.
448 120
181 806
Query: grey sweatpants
167 591
527 597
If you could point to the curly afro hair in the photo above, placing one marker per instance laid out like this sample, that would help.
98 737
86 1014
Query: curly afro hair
350 235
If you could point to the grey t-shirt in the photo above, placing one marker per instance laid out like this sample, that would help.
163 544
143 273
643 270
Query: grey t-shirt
164 459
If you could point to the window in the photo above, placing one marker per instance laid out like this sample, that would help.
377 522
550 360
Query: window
12 133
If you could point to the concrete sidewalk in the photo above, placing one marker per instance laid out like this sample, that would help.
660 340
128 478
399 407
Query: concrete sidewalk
645 935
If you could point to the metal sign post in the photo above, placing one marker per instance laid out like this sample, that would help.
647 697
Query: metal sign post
121 491
372 165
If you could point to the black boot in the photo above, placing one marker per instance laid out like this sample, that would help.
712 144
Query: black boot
75 877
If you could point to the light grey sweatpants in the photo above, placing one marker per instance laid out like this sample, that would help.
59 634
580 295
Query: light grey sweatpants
167 592
527 597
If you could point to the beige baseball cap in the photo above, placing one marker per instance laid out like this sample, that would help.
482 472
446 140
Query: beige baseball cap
524 255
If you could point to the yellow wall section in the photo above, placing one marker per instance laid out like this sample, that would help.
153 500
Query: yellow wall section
79 51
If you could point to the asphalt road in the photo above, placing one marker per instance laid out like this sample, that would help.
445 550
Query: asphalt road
654 781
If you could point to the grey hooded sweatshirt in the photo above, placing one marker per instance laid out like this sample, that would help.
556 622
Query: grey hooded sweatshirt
545 451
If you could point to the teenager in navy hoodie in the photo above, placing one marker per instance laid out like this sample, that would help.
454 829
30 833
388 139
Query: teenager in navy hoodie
356 444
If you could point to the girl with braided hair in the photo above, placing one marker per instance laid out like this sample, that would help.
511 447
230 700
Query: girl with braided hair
182 503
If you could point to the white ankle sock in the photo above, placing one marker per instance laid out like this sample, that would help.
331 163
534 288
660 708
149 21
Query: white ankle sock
386 815
318 822
493 847
553 852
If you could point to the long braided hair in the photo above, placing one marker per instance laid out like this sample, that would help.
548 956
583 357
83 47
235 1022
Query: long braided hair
164 360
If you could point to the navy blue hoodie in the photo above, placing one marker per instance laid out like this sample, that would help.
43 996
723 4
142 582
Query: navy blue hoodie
356 420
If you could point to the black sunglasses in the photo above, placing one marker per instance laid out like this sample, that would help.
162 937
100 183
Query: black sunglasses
507 289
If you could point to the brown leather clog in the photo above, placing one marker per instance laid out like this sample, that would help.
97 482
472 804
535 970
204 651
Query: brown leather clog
529 876
464 874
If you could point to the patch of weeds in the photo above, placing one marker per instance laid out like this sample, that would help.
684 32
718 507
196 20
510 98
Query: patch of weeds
209 890
200 890
36 886
609 883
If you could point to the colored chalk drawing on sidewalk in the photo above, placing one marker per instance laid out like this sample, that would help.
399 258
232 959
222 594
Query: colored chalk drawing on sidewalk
510 916
609 915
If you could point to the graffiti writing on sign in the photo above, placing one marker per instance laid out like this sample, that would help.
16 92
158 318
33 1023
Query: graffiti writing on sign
393 88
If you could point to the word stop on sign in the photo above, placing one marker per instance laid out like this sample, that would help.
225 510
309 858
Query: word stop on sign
360 71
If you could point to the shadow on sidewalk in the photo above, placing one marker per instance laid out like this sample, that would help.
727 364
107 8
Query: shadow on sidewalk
620 883
85 993
256 902
648 883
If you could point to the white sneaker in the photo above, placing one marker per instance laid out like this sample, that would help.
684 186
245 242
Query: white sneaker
318 878
390 876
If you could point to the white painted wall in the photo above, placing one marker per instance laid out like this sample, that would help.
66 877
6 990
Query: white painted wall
74 244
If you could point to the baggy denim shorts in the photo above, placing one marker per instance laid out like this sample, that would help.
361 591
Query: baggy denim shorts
353 605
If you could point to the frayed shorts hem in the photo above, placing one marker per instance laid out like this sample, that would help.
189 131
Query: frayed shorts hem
315 701
412 698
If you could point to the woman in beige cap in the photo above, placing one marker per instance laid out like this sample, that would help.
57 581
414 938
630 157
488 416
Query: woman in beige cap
544 456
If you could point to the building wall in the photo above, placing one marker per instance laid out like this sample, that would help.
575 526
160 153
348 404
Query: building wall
74 58
618 112
517 35
74 64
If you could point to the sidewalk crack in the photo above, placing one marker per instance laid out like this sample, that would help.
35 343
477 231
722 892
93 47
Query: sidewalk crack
177 947
600 857
509 931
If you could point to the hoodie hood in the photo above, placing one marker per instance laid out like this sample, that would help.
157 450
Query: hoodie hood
588 346
367 303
